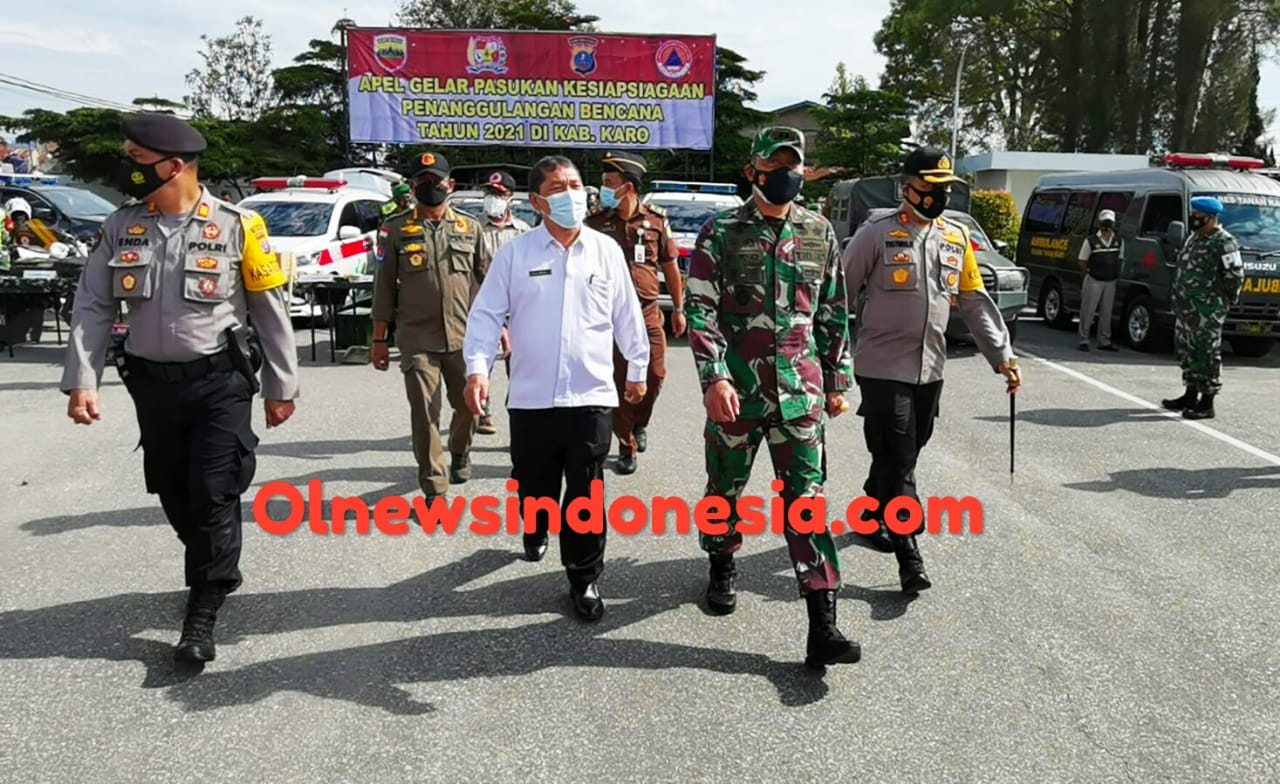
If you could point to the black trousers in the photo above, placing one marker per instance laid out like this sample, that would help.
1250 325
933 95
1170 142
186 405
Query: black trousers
198 456
565 448
897 422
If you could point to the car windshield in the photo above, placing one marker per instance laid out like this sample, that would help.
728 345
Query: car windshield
1253 219
78 203
975 231
293 218
688 216
475 208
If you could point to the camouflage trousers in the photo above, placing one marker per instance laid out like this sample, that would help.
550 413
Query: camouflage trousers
1197 336
796 449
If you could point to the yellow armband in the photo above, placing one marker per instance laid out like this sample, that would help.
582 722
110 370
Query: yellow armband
970 275
259 266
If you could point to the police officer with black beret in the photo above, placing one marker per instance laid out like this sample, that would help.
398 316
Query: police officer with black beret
191 270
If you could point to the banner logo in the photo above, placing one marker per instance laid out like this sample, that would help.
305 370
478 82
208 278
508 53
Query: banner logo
391 51
583 51
673 59
486 54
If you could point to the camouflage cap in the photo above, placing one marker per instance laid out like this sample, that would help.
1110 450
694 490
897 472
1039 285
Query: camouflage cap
770 140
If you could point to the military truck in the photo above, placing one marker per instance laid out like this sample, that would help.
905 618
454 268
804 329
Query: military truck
852 202
1152 208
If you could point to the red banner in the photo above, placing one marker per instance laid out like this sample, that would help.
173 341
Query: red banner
533 88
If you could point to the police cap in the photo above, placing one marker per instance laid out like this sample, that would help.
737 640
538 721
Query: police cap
931 165
502 182
430 163
1206 205
163 133
624 163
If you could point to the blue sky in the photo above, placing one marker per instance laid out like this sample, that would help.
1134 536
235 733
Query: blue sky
116 51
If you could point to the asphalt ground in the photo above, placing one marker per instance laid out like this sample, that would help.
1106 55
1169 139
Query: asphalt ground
1116 619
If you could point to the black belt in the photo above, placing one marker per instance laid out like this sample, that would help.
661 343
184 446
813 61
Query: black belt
171 372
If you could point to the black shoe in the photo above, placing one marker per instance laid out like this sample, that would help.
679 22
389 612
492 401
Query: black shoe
826 644
1108 347
1179 403
626 464
587 603
722 595
910 565
1202 409
196 644
460 470
642 439
1083 346
535 546
880 540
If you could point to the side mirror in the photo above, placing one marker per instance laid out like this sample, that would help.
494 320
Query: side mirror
1176 233
1000 245
349 232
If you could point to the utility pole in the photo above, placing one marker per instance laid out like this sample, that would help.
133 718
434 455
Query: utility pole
955 107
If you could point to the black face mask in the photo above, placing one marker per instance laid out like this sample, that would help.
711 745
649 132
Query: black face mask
931 203
431 194
780 186
139 180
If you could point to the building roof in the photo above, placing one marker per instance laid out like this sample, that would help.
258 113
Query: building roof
1049 161
794 106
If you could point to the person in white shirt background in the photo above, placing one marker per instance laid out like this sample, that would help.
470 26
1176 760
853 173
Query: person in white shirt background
1100 256
561 394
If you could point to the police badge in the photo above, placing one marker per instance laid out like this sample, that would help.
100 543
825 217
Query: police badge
582 50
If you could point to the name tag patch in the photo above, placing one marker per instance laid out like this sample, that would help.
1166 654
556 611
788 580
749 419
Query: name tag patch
537 273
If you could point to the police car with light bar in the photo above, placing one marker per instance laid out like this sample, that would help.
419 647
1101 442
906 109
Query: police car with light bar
689 205
328 225
1152 213
63 208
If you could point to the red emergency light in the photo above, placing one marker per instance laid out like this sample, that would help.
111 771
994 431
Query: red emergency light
276 183
1196 159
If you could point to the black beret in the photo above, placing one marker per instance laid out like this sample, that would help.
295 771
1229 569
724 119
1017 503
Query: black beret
625 163
163 133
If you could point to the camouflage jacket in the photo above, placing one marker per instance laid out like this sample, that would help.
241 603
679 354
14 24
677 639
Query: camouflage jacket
767 311
1209 268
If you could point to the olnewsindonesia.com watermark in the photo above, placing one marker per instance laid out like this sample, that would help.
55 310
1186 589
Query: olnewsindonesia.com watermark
627 515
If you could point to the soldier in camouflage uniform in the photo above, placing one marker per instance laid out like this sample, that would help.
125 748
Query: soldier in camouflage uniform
768 325
1209 278
401 201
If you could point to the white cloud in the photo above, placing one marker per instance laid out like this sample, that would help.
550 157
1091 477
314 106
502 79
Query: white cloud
21 35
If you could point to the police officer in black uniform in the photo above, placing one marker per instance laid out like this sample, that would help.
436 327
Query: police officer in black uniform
192 270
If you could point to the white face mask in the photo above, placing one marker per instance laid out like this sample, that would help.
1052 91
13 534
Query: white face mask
495 206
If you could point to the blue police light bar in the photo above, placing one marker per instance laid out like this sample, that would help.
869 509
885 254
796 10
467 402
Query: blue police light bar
669 186
29 179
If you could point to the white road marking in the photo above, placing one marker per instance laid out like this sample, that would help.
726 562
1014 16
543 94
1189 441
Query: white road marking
1137 401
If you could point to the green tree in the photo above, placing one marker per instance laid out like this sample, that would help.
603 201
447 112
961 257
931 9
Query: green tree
862 129
494 15
235 82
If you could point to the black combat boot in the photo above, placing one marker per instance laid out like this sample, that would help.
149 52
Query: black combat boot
722 596
196 644
826 644
910 564
642 438
1180 403
1202 409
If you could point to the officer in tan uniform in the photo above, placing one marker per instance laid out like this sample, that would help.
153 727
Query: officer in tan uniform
916 265
430 264
500 227
191 270
647 244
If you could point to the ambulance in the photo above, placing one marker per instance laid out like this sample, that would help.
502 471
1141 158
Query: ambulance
327 224
689 205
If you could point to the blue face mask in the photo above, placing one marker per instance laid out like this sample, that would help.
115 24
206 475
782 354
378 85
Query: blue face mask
568 208
609 198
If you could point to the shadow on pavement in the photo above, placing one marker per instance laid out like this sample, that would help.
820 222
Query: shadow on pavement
1079 417
1189 484
372 675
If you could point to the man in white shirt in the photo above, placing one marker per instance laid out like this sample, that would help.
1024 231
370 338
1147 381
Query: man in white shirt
1100 259
569 296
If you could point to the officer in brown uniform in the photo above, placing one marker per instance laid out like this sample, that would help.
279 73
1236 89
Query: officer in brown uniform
430 264
647 244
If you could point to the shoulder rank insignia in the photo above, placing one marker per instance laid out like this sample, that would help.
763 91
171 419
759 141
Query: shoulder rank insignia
656 209
899 234
203 210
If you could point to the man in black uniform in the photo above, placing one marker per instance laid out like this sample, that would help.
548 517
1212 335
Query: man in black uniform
192 270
